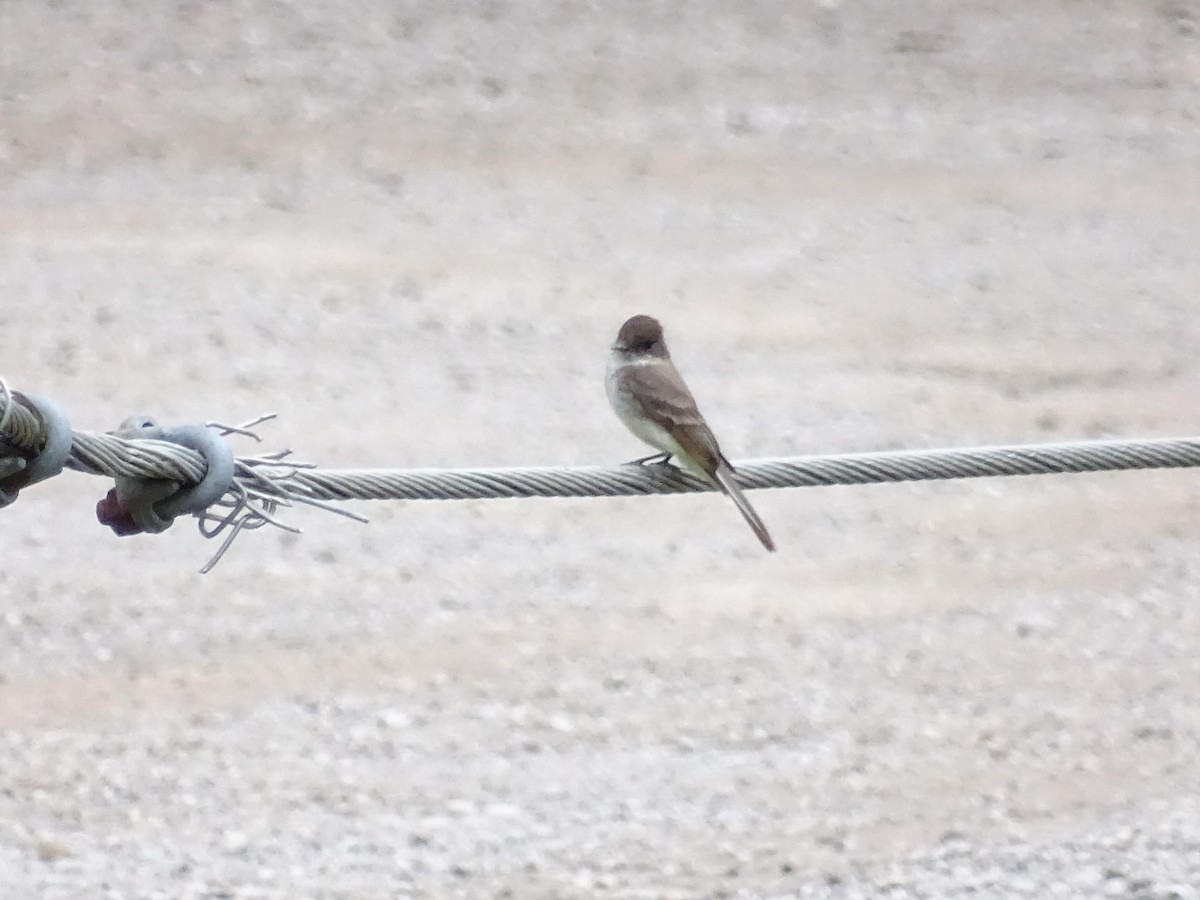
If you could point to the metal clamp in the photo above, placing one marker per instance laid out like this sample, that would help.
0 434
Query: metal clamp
19 469
137 505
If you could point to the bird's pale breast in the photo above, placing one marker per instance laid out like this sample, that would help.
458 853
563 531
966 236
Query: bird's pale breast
630 410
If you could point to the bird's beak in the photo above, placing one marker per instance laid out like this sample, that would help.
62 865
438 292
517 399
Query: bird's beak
619 345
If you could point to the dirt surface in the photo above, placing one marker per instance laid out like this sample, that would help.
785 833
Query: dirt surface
412 229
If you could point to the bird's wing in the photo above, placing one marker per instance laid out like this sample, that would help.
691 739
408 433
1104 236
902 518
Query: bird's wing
665 399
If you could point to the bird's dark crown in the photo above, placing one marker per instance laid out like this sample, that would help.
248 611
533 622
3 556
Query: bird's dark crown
640 333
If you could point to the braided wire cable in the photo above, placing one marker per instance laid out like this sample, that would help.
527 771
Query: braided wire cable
264 483
786 472
108 454
112 456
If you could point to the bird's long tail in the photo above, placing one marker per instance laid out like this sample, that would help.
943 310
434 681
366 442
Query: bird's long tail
724 479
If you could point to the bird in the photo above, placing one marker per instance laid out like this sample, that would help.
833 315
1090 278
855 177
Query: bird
650 397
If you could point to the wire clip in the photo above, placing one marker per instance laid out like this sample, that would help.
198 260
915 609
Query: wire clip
150 506
19 468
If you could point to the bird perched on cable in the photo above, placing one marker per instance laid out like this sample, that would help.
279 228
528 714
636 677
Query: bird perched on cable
649 396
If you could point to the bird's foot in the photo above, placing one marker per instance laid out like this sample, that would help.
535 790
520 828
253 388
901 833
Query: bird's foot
657 459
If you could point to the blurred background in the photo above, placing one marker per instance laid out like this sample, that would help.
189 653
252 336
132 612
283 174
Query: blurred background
412 229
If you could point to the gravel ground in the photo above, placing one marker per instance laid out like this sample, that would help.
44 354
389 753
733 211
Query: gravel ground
412 229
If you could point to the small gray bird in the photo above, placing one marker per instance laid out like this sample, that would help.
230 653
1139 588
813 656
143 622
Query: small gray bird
649 396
